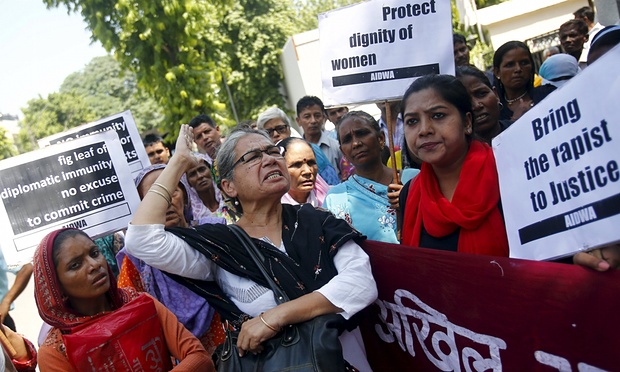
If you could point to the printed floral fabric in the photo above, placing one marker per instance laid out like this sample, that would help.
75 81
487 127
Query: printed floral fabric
364 204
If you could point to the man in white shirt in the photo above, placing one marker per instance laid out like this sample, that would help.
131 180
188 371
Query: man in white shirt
586 14
311 118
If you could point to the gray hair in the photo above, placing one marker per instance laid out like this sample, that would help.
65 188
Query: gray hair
551 51
272 113
226 159
226 154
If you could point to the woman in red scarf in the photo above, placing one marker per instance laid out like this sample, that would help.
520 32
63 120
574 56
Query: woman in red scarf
453 204
76 293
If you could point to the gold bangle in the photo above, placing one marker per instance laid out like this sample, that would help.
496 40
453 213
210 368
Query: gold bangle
165 189
267 324
162 195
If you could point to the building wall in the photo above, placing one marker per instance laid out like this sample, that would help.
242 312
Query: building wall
526 19
302 71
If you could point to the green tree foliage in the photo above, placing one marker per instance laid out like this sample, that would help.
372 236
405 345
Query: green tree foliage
173 46
107 89
46 116
307 11
102 89
179 49
481 53
484 3
7 149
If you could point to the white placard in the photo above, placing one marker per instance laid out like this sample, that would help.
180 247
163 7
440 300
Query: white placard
372 51
121 123
84 183
559 167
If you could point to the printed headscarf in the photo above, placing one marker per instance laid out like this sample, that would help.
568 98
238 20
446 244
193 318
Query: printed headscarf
188 212
53 307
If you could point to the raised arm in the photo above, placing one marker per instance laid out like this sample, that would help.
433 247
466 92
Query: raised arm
152 209
146 238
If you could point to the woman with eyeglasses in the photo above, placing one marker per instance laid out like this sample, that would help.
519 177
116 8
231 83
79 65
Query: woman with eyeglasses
313 256
278 126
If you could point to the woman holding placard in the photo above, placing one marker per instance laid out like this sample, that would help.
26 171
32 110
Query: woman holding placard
453 204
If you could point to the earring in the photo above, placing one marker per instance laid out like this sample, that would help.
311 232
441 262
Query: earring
236 201
468 130
501 105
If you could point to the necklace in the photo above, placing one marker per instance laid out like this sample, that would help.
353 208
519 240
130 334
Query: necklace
511 101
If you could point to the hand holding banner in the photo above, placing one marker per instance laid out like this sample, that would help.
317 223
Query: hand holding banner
559 168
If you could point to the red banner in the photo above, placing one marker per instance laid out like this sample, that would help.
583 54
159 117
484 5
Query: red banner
458 312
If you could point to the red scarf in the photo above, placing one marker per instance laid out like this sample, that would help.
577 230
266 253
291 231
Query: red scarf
53 308
473 208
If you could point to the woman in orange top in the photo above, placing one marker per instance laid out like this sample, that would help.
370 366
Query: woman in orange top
75 288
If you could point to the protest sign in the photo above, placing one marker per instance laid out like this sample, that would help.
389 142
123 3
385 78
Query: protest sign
559 168
448 311
84 183
121 123
373 50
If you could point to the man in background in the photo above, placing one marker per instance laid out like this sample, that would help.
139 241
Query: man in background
311 118
334 114
586 14
461 50
551 51
156 150
573 35
206 134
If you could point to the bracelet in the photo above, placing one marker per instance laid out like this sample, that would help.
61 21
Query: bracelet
165 189
162 195
27 365
267 324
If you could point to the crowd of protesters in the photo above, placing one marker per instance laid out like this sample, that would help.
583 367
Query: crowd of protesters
306 200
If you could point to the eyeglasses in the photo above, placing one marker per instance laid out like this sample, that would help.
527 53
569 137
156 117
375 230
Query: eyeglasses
280 129
255 156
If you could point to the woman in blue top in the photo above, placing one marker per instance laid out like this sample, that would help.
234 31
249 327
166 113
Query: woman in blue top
362 200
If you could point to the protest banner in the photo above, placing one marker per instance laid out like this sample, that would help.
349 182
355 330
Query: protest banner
559 168
84 183
121 123
448 311
373 50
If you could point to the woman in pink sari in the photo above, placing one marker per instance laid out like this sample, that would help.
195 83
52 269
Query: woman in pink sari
306 185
